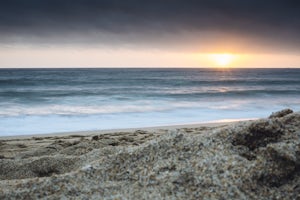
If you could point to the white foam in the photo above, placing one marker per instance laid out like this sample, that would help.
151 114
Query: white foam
134 107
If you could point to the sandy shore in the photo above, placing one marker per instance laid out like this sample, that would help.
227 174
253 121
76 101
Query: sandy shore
257 159
15 145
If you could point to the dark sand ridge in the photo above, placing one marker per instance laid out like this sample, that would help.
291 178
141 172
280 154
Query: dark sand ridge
245 160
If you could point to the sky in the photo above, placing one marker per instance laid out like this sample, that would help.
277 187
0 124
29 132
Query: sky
156 33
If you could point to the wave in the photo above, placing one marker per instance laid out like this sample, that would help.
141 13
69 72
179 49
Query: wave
133 93
90 110
142 106
145 106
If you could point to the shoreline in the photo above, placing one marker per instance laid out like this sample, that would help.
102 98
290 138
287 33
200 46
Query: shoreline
108 131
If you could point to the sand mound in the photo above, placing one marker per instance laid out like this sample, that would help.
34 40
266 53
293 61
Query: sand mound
246 160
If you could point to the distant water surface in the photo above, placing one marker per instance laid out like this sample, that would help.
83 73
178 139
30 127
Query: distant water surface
34 101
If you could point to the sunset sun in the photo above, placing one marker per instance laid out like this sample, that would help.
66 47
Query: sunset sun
223 59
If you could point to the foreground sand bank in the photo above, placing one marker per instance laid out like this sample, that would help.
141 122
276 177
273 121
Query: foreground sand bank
243 160
11 146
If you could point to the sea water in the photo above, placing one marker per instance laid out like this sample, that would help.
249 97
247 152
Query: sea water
37 101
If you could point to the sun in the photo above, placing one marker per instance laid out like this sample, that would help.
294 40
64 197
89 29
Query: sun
223 59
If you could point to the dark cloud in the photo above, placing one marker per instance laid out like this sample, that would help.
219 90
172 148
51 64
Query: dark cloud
156 22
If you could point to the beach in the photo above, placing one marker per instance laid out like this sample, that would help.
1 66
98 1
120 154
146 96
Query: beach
256 159
134 100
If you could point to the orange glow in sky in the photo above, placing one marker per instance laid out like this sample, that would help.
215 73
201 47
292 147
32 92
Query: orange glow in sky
108 57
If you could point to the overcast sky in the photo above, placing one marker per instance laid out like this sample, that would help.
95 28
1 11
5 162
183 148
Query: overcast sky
117 27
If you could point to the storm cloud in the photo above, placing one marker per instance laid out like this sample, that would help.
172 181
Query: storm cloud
275 24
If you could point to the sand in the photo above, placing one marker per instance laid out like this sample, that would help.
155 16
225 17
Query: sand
257 159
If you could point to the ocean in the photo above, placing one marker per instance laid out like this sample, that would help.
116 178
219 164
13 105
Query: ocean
38 101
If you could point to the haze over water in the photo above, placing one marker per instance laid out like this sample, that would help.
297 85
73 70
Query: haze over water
34 101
